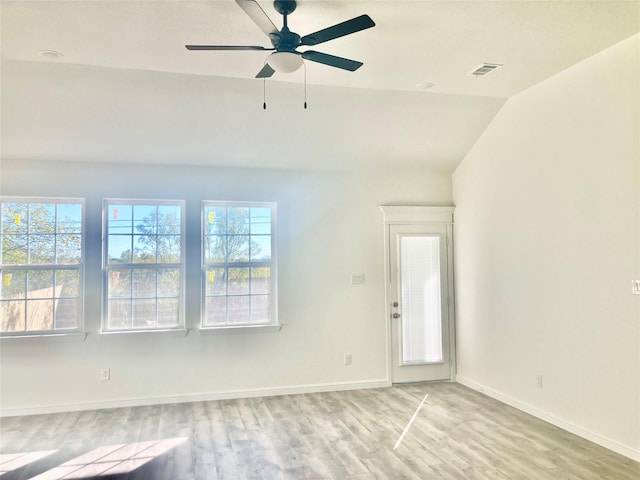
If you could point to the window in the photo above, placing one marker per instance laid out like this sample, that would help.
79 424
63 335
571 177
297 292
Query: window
143 265
41 266
238 264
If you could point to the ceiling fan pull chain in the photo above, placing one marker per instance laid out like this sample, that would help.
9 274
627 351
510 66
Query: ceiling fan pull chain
305 85
264 93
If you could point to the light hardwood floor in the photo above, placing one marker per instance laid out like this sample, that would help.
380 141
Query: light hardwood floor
458 434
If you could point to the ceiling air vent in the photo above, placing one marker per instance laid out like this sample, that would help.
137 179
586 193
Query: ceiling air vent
484 69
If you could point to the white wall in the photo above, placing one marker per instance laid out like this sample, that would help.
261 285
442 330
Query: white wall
547 243
329 226
70 112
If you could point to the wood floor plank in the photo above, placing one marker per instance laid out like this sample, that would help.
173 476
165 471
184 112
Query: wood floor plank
458 434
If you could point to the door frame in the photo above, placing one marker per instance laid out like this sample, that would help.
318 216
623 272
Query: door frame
418 215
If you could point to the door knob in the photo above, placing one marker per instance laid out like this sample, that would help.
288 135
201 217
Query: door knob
396 315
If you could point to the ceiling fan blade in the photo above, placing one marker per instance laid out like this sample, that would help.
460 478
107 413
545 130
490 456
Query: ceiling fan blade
340 30
332 60
257 14
226 47
266 71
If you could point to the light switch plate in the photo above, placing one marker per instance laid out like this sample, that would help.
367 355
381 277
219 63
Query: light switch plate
635 288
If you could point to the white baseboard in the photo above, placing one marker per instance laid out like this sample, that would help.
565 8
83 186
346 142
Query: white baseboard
199 397
547 417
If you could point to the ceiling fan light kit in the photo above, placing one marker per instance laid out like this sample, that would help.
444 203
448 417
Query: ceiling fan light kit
285 62
286 58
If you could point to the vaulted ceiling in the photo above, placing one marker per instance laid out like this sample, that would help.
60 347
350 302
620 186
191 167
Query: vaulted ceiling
126 90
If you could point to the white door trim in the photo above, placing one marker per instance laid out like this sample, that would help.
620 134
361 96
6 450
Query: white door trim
412 215
406 215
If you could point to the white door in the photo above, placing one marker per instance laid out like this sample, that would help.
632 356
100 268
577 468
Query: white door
418 290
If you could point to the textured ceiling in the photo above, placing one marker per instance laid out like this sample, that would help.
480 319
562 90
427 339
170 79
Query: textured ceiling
412 42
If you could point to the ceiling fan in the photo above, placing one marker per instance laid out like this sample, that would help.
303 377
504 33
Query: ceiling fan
285 58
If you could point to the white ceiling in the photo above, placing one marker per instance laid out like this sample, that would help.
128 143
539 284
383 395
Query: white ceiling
126 76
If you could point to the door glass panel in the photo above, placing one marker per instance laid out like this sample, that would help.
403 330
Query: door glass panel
420 299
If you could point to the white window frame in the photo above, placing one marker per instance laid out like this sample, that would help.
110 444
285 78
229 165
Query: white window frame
272 324
108 267
8 270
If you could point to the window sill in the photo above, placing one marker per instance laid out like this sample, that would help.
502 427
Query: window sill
71 335
183 332
240 329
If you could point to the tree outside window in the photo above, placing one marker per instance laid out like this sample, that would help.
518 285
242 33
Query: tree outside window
238 273
144 265
41 258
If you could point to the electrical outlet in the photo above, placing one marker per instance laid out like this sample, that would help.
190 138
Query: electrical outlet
348 359
358 279
105 374
539 381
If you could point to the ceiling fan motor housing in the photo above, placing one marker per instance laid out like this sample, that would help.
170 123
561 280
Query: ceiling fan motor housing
285 40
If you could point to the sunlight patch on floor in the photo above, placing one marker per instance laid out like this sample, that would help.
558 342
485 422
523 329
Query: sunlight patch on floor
13 461
111 460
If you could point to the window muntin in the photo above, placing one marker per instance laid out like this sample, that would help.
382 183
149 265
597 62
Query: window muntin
41 265
143 265
238 264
